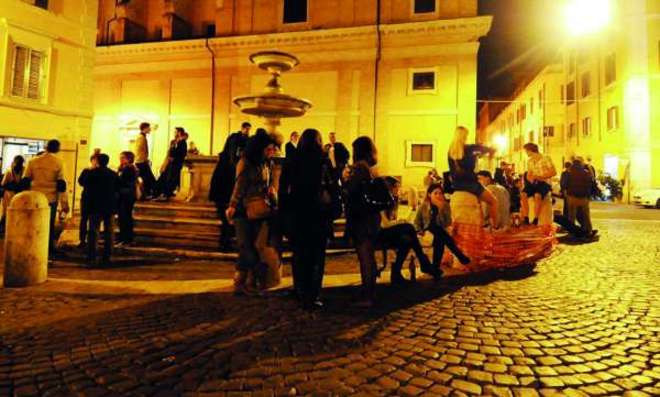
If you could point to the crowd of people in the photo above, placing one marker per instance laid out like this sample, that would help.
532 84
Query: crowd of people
263 198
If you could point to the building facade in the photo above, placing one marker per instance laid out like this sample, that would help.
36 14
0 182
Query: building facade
46 79
601 101
404 74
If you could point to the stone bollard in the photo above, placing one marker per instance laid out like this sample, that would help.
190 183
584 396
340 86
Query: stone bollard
26 240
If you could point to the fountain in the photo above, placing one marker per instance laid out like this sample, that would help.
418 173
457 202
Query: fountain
273 104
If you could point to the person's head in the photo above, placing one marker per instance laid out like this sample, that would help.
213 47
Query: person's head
184 136
518 183
365 150
126 158
53 146
588 160
457 145
145 128
93 160
260 147
393 184
103 160
485 177
531 149
179 132
245 128
434 194
434 172
310 142
17 163
294 137
332 137
578 161
567 165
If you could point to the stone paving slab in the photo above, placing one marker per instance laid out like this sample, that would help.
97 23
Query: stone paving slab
585 322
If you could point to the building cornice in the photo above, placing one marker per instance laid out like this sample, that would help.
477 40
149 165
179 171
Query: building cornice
447 31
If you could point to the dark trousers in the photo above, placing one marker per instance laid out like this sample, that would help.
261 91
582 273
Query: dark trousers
442 239
578 208
148 179
125 215
310 239
95 221
84 222
569 226
51 231
402 238
226 229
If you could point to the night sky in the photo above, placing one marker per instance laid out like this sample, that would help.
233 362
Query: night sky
524 36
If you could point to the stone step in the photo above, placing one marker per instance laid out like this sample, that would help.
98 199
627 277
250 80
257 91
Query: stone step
175 210
185 226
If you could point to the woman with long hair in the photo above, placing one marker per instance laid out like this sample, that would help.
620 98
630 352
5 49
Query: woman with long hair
364 225
434 216
310 176
11 184
251 209
462 160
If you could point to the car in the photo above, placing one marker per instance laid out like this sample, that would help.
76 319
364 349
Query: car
647 198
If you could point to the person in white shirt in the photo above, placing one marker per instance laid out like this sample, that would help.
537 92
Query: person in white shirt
46 175
503 200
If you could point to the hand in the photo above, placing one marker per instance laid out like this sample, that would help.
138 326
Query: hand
230 213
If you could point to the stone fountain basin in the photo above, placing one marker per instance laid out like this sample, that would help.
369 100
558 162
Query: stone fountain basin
274 60
275 105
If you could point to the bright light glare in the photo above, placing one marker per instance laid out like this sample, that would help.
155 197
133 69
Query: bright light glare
587 16
500 143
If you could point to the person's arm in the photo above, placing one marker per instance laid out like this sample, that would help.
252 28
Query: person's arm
241 184
5 178
419 219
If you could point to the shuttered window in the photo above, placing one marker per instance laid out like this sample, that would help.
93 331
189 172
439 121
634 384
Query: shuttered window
27 73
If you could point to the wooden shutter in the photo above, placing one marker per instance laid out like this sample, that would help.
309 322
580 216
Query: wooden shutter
34 80
18 74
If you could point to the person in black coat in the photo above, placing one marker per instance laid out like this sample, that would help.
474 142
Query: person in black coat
102 188
84 202
290 147
127 196
338 151
170 179
311 187
224 178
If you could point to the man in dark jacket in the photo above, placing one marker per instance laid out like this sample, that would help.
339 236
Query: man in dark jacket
102 187
224 178
578 190
84 202
563 185
337 152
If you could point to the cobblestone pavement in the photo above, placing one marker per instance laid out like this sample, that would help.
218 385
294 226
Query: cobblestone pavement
585 322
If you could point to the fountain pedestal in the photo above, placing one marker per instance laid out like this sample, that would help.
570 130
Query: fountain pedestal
196 178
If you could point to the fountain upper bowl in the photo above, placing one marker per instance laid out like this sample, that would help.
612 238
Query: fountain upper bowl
274 60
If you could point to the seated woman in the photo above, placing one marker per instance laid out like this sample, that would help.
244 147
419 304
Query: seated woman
400 235
434 216
462 159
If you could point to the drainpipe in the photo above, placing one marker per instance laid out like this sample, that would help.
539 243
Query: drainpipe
208 47
377 65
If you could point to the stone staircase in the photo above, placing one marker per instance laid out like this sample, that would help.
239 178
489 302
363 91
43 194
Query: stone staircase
176 229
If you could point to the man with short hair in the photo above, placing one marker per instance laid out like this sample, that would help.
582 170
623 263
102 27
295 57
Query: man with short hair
337 152
46 175
290 147
102 185
503 200
537 180
142 161
578 192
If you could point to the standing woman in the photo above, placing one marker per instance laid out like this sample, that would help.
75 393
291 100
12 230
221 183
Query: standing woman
11 185
462 160
251 209
313 186
364 225
128 174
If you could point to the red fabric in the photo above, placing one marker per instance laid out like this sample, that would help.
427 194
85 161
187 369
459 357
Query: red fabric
503 249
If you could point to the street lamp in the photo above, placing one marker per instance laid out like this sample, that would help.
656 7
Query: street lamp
584 17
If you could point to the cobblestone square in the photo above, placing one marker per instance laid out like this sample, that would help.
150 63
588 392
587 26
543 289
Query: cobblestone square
584 322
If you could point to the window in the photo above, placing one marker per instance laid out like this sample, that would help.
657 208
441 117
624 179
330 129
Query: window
423 6
571 62
531 105
549 131
612 118
26 78
571 130
523 112
586 126
610 69
420 154
586 84
38 3
422 81
561 93
540 99
295 11
570 93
